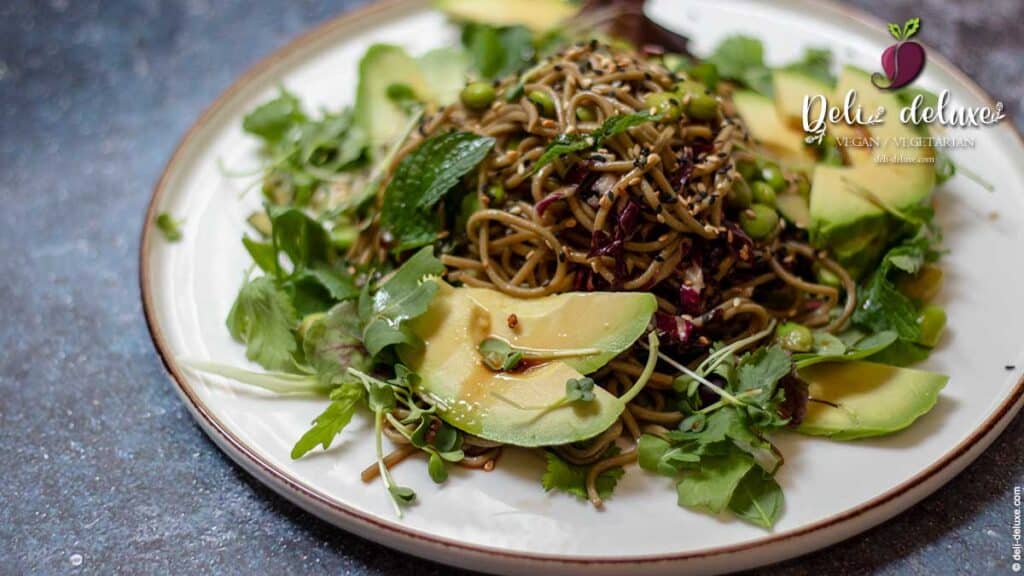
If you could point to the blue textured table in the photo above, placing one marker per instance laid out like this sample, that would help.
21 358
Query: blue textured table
103 470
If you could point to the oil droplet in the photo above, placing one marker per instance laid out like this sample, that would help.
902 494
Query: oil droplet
75 559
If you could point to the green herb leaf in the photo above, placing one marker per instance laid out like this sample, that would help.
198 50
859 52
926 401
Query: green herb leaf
277 382
402 494
565 144
579 390
263 318
498 355
856 348
406 295
262 254
272 120
572 479
422 179
761 370
299 236
757 499
170 227
331 344
332 421
497 52
711 486
437 468
816 63
741 58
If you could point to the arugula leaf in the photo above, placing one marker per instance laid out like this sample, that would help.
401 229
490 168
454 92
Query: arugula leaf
332 421
273 119
572 479
170 227
422 179
757 499
331 344
565 144
406 295
263 318
711 486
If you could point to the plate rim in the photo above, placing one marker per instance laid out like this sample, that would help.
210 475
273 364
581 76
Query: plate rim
953 461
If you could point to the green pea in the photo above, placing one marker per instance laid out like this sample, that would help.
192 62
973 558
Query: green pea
665 104
478 95
772 174
759 221
748 169
691 87
794 337
932 321
703 107
543 101
763 193
585 114
739 196
497 192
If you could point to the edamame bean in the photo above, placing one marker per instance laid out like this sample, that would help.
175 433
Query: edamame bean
703 107
739 196
478 95
763 193
585 114
932 321
665 104
543 101
772 174
794 337
759 221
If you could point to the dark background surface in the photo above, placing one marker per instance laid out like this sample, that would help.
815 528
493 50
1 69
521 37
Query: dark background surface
103 470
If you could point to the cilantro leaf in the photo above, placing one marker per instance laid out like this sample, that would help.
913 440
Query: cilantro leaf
263 318
332 421
331 344
422 179
757 499
406 295
572 479
711 486
565 144
816 63
762 370
741 58
170 227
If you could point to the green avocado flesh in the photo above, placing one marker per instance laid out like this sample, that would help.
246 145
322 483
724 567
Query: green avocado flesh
853 201
539 15
508 406
790 89
770 131
862 399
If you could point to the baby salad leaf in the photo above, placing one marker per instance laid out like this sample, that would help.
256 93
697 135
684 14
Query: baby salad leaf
711 486
331 344
758 499
565 144
422 179
273 119
741 58
572 479
404 296
332 421
816 63
761 370
856 349
263 318
496 52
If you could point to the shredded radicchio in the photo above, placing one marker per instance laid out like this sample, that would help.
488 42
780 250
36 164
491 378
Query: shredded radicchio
548 200
602 244
673 330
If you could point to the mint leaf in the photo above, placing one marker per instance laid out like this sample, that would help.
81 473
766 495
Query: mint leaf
565 144
758 499
572 479
405 296
263 318
422 179
344 401
711 486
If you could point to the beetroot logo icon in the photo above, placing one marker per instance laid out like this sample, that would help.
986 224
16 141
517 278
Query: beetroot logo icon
904 60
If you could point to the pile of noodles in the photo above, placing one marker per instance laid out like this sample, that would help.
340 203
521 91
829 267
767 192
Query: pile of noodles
648 211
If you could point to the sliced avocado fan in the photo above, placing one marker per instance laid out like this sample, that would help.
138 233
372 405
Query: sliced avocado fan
521 407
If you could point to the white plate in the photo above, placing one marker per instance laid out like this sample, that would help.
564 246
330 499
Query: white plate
503 521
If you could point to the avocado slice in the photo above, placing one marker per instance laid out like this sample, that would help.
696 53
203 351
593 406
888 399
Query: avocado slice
382 66
508 407
847 202
538 15
859 399
769 130
790 89
444 70
793 208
